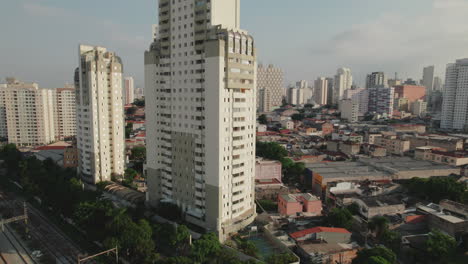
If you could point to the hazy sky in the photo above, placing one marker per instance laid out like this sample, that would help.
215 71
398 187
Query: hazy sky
307 38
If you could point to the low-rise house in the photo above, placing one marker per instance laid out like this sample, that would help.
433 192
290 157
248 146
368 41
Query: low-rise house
293 204
261 128
449 143
350 148
268 171
380 205
451 224
374 151
393 144
408 128
452 158
287 124
329 234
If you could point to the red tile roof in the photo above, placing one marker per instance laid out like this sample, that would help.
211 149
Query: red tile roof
319 229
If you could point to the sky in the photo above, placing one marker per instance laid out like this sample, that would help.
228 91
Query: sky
306 38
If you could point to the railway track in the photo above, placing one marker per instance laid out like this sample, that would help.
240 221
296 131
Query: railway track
20 250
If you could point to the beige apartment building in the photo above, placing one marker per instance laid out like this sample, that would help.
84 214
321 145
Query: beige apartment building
100 117
270 89
200 86
393 144
26 114
64 105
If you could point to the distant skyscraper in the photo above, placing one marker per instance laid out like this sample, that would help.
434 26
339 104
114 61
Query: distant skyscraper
438 84
455 102
343 81
361 97
139 93
376 79
269 88
349 110
100 117
419 108
330 90
129 87
321 91
64 106
201 114
26 113
381 100
304 93
428 78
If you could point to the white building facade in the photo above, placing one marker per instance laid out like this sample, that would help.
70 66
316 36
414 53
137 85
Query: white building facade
343 81
321 91
269 88
100 117
129 86
200 85
64 105
455 103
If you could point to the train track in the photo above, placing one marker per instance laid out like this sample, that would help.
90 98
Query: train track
12 240
52 241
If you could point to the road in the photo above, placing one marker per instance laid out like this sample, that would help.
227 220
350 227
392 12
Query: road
51 240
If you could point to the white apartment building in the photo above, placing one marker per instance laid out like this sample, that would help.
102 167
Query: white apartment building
361 97
129 93
100 117
376 79
321 91
269 88
26 114
455 103
64 106
200 85
381 100
139 93
419 108
349 110
343 81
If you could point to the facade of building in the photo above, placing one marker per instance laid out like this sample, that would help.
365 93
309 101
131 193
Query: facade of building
452 158
330 90
202 114
269 88
129 86
321 91
64 106
393 144
419 108
293 204
268 170
381 100
376 79
26 114
349 110
411 92
428 78
359 96
100 117
343 82
455 103
438 84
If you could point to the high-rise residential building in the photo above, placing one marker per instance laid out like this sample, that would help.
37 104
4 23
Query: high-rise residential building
330 90
200 84
129 93
438 84
376 79
428 78
155 31
419 108
295 95
26 113
343 82
64 107
381 100
139 93
410 81
321 91
100 117
455 103
269 88
359 96
349 110
304 93
411 92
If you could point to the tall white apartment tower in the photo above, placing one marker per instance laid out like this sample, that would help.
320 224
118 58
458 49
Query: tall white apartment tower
269 88
200 86
455 103
129 87
428 78
321 91
343 82
376 79
100 117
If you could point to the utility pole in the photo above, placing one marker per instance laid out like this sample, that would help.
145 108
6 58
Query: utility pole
16 219
115 250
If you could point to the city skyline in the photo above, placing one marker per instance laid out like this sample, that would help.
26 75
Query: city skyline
341 44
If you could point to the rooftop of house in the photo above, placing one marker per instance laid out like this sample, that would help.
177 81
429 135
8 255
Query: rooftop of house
400 164
54 146
318 229
345 169
293 198
379 201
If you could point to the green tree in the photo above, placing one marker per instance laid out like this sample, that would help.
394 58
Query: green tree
138 153
207 245
129 176
374 255
439 246
437 188
271 150
298 117
128 130
180 241
378 224
12 157
353 208
262 119
131 110
339 217
139 103
392 240
282 258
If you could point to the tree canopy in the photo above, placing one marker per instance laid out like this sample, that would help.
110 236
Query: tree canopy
439 246
262 119
271 150
339 217
377 255
436 189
